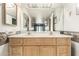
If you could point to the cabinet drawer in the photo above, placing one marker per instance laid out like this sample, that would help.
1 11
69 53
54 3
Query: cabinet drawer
40 41
63 41
48 41
15 41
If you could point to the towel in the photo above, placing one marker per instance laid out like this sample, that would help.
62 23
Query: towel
3 38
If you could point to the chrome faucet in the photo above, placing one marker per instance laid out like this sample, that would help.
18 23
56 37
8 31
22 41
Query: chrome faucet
29 33
51 33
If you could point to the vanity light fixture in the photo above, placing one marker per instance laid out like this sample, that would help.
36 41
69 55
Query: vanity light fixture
78 5
39 5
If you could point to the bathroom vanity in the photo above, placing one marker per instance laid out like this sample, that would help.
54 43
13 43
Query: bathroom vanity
39 45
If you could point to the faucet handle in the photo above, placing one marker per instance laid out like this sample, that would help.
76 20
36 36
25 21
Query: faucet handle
51 33
29 33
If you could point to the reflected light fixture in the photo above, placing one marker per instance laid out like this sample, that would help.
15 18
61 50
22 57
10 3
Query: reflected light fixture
10 5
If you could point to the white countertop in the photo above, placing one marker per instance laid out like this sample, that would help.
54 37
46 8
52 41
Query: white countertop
38 35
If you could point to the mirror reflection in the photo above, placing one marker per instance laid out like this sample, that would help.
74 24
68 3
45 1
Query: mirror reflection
10 14
25 21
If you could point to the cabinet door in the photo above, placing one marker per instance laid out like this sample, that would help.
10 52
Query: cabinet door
15 50
63 50
31 51
47 50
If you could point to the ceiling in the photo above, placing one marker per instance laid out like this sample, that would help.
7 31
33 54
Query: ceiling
42 10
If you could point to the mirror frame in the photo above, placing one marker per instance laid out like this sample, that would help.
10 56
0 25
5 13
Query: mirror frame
4 15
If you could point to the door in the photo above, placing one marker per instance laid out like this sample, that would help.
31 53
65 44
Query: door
47 50
30 50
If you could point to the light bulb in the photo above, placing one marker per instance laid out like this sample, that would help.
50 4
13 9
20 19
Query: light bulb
10 5
77 5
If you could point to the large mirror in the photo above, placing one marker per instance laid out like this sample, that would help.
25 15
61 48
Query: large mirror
10 13
25 21
40 25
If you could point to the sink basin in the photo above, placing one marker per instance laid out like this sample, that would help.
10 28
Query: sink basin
44 33
40 33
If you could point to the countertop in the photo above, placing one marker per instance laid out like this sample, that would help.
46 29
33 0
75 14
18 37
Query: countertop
38 35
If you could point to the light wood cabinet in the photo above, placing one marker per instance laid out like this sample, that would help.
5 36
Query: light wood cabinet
63 51
40 46
40 41
47 51
31 41
47 41
39 50
15 50
30 50
63 41
15 41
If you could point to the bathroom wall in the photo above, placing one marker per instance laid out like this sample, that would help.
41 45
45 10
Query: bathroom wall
0 15
67 20
4 50
59 26
71 20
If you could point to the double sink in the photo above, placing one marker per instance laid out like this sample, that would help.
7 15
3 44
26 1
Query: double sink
39 34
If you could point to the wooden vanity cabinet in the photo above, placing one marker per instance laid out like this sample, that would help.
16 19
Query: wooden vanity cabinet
40 41
15 50
47 51
16 41
31 50
63 41
15 47
63 51
63 47
40 46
